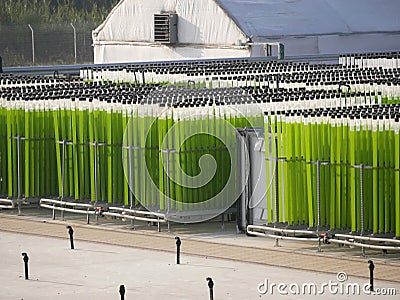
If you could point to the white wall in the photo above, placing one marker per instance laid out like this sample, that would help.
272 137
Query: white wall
136 53
199 22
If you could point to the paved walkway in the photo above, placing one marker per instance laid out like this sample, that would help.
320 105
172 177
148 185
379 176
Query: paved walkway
278 257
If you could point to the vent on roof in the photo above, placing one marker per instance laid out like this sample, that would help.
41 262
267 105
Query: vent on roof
165 28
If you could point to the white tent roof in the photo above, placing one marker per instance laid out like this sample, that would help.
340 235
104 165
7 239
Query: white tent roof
277 18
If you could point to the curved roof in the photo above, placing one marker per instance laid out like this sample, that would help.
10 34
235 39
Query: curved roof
276 18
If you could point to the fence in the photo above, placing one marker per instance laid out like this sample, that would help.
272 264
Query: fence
46 44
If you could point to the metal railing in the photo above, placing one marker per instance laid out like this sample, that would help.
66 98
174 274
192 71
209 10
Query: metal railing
100 211
7 204
363 242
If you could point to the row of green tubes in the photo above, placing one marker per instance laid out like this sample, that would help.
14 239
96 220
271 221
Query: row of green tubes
27 148
177 139
65 145
341 145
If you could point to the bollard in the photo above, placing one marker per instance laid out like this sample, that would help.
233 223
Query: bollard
178 250
1 65
26 259
211 287
71 236
122 291
371 275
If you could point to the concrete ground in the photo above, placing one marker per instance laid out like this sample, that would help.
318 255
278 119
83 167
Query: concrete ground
95 271
109 254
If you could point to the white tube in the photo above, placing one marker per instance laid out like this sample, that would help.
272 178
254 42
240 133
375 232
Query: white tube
140 212
133 217
366 238
6 206
52 201
6 201
77 211
281 237
364 245
292 231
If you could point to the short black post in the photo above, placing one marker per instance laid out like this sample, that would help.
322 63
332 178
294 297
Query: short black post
71 236
178 250
371 275
26 259
1 65
211 287
122 291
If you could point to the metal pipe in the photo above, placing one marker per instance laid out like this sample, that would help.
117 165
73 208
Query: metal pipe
366 238
84 212
33 44
364 245
292 231
88 218
277 237
137 211
159 218
73 27
283 237
133 217
52 201
6 206
6 201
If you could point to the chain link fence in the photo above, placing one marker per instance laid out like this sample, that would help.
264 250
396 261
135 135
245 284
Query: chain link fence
46 44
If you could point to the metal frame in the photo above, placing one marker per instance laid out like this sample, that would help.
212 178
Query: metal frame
94 210
74 69
362 242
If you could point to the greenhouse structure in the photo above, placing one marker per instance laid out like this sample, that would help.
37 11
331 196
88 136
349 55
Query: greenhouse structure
138 30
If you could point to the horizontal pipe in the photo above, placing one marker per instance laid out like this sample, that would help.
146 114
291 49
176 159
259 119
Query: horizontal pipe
139 212
52 201
77 211
6 201
75 69
133 217
292 231
367 238
191 213
282 237
7 206
364 245
64 203
360 245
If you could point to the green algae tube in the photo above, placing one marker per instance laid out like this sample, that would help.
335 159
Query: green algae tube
397 175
